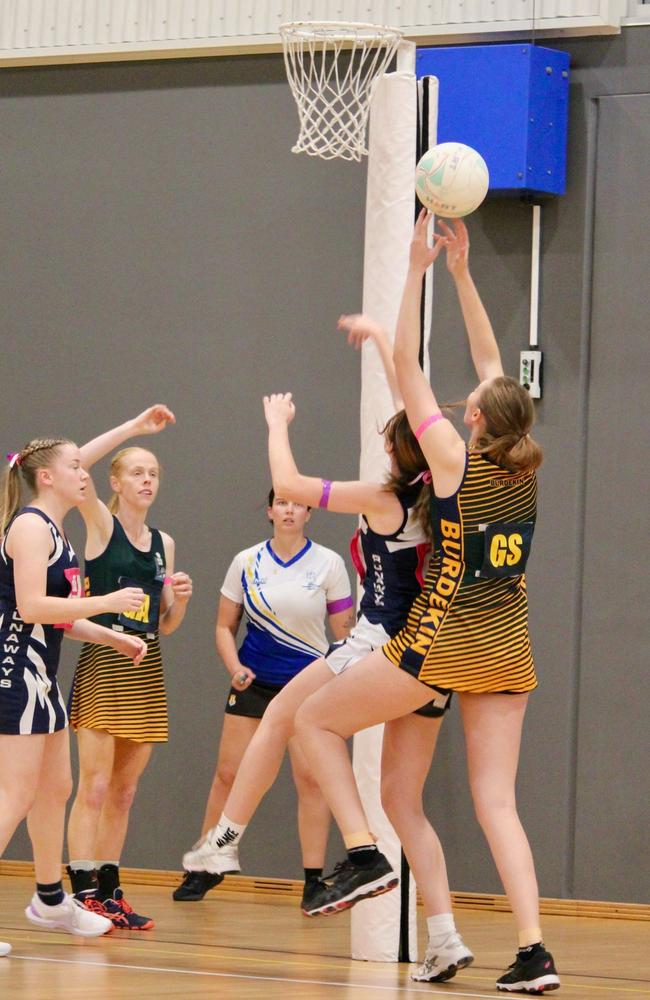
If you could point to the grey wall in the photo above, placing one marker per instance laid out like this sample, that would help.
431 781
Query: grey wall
162 243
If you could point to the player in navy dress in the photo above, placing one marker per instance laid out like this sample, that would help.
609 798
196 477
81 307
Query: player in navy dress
41 600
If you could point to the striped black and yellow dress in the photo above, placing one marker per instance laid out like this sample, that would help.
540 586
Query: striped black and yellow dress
108 691
468 629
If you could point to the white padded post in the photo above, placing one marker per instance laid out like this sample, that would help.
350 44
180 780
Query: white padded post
390 197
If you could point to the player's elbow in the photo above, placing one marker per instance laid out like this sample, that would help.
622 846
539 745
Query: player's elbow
404 359
285 487
27 611
168 623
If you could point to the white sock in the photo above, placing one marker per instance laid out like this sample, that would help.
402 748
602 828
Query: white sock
226 833
440 927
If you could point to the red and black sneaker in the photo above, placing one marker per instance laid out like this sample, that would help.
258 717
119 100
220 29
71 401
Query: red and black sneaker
533 971
349 884
124 916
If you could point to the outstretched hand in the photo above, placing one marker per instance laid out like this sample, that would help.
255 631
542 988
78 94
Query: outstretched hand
360 327
421 254
153 420
279 408
457 245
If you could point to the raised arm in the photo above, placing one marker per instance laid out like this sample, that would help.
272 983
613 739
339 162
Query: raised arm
360 328
288 482
482 342
151 421
99 522
443 447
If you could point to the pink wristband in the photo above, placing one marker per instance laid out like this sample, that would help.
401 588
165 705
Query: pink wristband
325 495
433 419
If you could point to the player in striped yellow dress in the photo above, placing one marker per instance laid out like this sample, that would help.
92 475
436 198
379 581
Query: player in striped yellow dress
120 713
467 631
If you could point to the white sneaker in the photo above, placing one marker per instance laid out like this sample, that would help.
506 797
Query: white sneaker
208 855
442 963
5 949
70 915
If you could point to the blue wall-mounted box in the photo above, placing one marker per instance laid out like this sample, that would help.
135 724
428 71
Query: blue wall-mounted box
510 102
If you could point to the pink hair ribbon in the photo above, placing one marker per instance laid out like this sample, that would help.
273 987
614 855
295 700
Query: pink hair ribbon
424 476
13 458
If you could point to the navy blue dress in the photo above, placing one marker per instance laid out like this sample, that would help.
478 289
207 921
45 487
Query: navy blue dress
30 699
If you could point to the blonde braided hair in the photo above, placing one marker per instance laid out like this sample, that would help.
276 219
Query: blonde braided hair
38 454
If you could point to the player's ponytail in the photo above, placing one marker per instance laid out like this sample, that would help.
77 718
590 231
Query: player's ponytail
10 498
509 414
117 462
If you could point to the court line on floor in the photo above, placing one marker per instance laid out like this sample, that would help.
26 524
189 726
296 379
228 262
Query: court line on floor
219 953
199 950
407 987
447 988
264 979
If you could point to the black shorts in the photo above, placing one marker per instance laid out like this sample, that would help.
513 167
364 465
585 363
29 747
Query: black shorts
440 703
252 701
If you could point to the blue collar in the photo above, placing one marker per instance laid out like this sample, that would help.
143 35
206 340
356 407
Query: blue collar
306 547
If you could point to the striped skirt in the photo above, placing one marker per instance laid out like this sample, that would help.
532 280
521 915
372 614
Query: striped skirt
111 694
479 643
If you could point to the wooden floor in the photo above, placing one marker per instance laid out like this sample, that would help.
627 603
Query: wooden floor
260 947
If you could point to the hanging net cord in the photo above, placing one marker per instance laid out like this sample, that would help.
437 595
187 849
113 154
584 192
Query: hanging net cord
332 68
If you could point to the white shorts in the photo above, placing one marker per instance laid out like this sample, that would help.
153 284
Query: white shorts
363 639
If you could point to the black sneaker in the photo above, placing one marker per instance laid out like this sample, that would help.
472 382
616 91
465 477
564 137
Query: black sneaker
311 891
533 974
349 884
195 885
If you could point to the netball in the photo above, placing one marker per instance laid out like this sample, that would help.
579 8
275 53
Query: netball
451 179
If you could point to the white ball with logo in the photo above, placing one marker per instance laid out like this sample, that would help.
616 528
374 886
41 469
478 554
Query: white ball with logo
451 179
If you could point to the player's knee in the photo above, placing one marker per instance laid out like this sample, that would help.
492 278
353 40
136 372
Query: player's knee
60 790
279 720
305 720
225 777
15 803
93 790
306 785
389 791
122 795
492 806
399 804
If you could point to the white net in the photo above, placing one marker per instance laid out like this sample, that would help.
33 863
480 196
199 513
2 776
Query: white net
332 67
